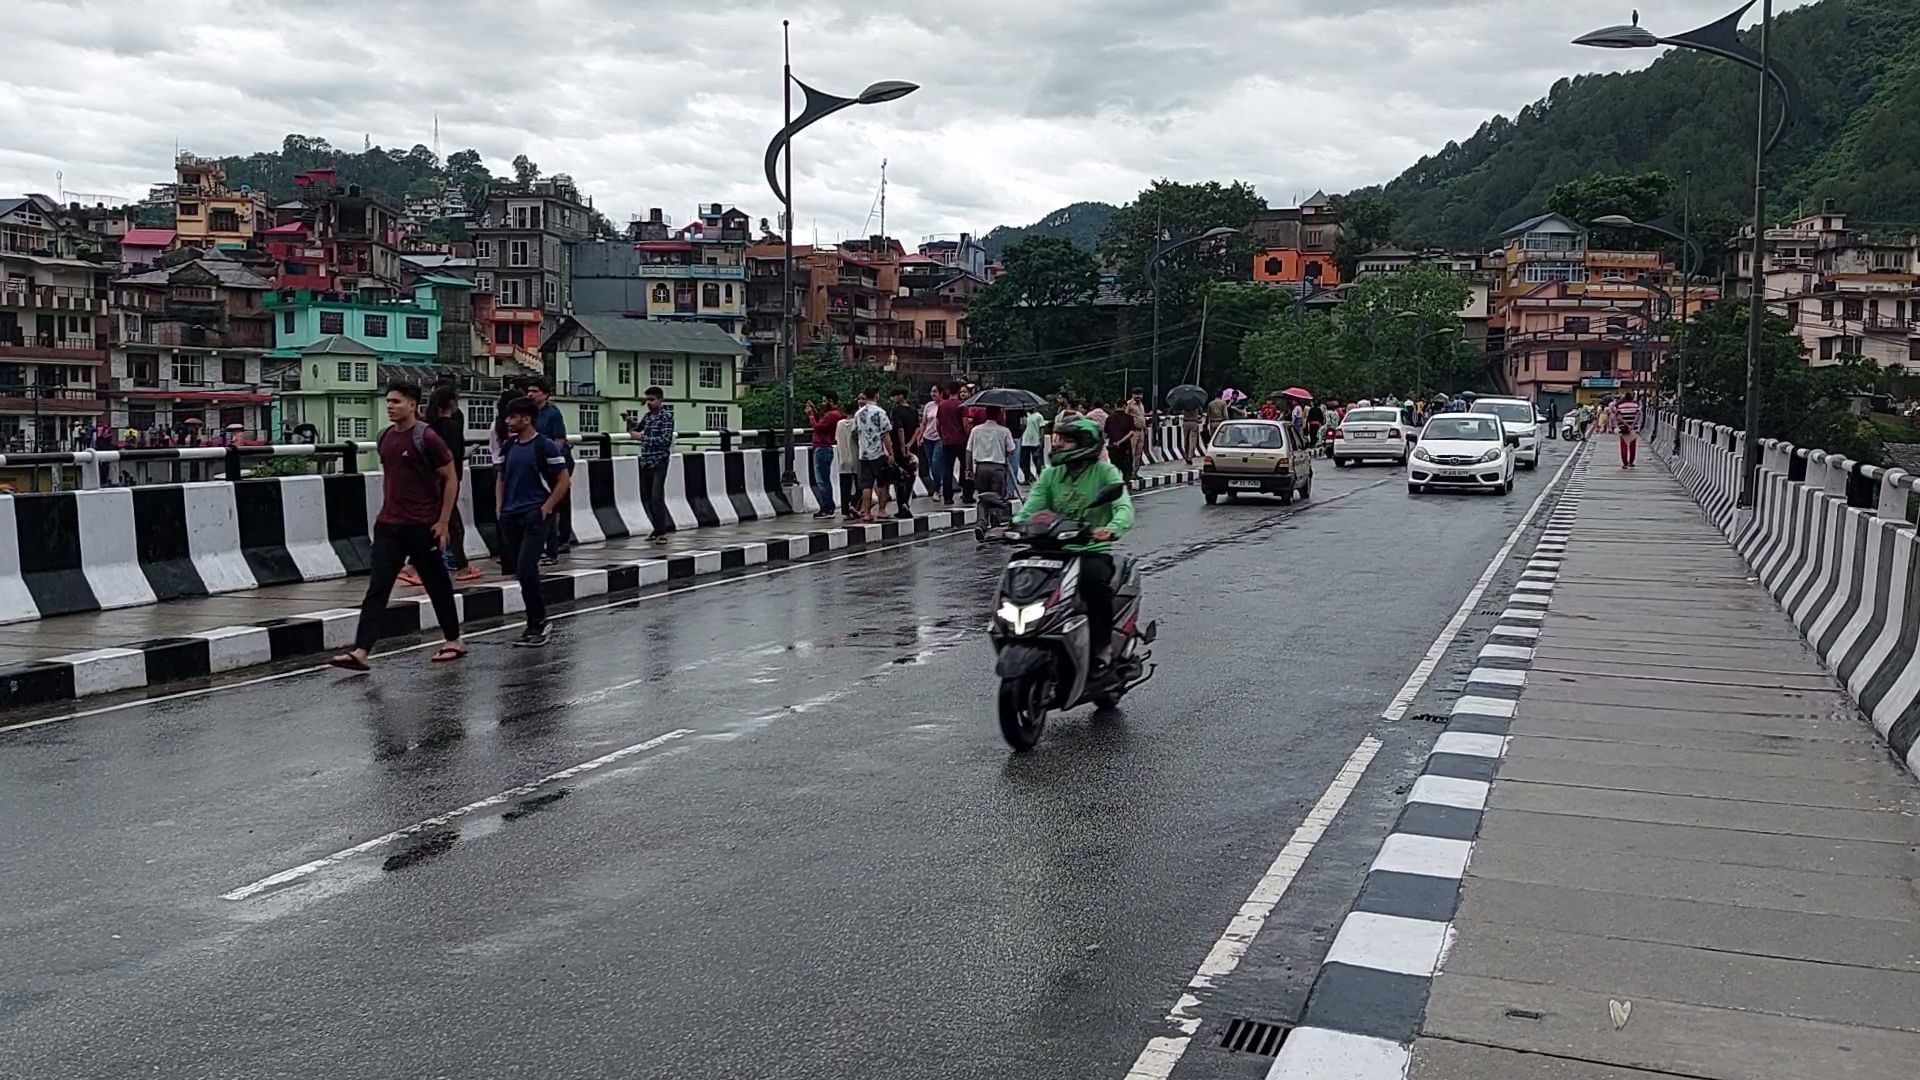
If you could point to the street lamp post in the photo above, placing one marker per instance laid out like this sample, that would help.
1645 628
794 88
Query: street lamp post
818 106
1153 287
1722 38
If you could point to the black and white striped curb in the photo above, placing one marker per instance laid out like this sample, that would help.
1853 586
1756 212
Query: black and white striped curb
1370 996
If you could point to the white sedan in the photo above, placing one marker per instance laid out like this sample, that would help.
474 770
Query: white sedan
1520 418
1370 432
1470 450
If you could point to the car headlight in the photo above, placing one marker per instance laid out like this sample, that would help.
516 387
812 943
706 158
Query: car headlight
1420 454
1021 618
1491 455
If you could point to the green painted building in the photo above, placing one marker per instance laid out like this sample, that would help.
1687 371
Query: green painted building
335 353
600 364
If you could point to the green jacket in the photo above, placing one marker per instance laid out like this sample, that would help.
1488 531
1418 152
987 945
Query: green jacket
1069 494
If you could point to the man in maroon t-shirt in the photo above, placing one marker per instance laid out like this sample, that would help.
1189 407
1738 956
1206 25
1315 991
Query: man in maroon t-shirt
950 417
820 467
418 488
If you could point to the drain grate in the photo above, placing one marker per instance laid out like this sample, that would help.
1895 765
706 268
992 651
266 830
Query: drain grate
1245 1036
1431 717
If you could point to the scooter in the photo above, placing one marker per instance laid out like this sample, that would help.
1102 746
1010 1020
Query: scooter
1040 632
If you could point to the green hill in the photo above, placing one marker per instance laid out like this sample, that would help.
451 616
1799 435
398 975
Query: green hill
1856 138
1080 224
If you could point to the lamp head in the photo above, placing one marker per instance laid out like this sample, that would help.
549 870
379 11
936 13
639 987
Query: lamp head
1220 231
886 90
1616 221
1619 37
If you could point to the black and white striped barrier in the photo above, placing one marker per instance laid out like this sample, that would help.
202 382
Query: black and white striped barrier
1834 542
110 548
227 648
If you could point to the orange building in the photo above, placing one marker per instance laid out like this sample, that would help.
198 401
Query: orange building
1296 243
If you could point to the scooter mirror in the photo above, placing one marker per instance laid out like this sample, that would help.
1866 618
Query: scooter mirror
1110 493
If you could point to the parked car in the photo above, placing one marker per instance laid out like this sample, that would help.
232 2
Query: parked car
1520 418
1370 433
1467 449
1255 457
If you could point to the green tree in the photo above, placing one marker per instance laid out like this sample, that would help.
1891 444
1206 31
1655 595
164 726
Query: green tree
1402 332
467 174
817 370
1366 223
1036 319
1807 406
1641 196
525 171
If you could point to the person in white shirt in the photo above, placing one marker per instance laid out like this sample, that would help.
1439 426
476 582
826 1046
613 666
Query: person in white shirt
991 447
846 462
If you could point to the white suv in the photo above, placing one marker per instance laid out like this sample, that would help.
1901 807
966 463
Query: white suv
1520 418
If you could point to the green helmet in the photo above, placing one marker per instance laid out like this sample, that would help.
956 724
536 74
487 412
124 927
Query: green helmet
1085 436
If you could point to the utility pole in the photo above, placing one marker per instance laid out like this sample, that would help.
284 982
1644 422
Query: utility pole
1757 306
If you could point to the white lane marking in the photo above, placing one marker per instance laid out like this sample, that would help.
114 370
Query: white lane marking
1163 1052
309 868
1449 791
1389 943
1316 1053
1424 670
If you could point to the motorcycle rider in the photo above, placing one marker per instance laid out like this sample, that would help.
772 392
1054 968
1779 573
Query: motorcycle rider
1068 487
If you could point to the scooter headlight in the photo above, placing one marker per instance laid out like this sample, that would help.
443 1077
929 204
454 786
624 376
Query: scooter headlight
1021 618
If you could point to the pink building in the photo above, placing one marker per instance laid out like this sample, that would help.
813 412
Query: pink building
143 247
1575 343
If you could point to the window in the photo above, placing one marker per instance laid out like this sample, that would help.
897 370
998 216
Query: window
520 217
373 325
589 420
1827 347
511 293
223 220
350 427
1596 359
1793 313
716 418
1575 324
480 413
343 371
333 322
1852 309
1272 267
483 282
711 375
552 293
1643 359
483 249
233 371
362 371
416 327
145 371
189 209
624 373
1826 311
1557 360
188 369
286 322
517 253
729 291
936 329
660 372
710 294
662 294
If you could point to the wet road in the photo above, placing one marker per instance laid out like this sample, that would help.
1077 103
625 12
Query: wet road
797 847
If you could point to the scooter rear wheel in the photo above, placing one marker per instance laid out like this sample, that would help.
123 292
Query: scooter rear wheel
1023 710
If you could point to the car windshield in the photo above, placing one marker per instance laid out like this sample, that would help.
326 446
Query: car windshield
1462 426
1513 412
1372 416
1251 436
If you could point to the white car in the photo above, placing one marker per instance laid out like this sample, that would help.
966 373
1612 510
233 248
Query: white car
1370 432
1465 449
1520 418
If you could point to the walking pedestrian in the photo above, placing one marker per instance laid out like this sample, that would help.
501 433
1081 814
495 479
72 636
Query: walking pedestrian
418 488
846 463
1626 415
823 424
872 471
1033 432
1119 431
1216 414
654 428
530 484
929 440
951 424
551 424
450 423
989 444
906 419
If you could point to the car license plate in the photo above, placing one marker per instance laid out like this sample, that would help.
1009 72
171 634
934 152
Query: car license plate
1244 485
1366 434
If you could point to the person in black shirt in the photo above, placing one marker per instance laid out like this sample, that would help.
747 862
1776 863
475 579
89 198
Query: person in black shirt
906 435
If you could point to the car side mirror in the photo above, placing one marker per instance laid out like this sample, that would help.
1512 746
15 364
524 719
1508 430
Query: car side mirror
1413 436
1513 440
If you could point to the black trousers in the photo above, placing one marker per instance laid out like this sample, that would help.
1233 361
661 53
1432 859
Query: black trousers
1029 456
1121 454
393 547
520 542
902 485
560 526
653 498
1096 591
457 540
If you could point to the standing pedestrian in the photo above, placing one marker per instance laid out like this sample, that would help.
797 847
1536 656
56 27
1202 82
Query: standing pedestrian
1553 418
654 428
874 450
551 424
823 424
989 444
1119 431
951 422
1137 408
846 463
929 440
529 486
1033 432
906 420
450 423
418 488
1626 417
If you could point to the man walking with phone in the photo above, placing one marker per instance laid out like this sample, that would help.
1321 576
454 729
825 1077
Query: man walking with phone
654 429
530 484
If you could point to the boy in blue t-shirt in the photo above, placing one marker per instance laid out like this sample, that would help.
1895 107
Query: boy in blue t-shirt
531 481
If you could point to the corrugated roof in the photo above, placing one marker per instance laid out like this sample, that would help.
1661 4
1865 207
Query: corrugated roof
337 345
148 237
621 334
8 206
229 273
443 279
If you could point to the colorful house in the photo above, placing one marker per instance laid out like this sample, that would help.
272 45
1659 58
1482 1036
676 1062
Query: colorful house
600 365
335 353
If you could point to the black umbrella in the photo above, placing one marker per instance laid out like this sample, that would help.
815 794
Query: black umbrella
1186 396
1006 397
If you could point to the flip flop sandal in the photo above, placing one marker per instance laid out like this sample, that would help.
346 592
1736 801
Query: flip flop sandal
448 654
349 662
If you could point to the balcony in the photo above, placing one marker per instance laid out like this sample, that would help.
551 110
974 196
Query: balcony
698 271
25 398
18 292
1887 324
64 350
579 389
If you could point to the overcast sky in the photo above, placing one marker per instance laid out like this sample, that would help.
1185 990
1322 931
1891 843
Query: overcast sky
1025 106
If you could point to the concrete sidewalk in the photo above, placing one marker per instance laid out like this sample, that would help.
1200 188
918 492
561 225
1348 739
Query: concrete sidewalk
1696 858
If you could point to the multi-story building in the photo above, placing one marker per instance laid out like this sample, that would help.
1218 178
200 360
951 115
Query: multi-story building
696 273
523 253
334 353
335 239
930 313
1848 294
766 277
54 327
850 294
208 213
190 340
602 363
143 248
959 251
1295 244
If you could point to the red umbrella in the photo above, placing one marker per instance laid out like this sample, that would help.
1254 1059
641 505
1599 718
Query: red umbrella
1296 392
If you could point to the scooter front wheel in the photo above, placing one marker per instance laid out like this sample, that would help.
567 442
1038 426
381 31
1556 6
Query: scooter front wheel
1023 710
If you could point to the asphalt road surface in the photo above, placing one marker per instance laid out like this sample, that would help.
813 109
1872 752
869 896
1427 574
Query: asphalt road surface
795 845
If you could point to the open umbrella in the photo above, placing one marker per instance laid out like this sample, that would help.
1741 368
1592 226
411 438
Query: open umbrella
1186 396
193 421
1296 392
1006 397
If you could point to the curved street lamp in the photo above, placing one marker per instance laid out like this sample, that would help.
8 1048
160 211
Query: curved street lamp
1153 287
1722 38
819 105
1696 257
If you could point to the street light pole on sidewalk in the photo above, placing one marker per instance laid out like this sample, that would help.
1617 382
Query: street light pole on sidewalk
818 105
1153 287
